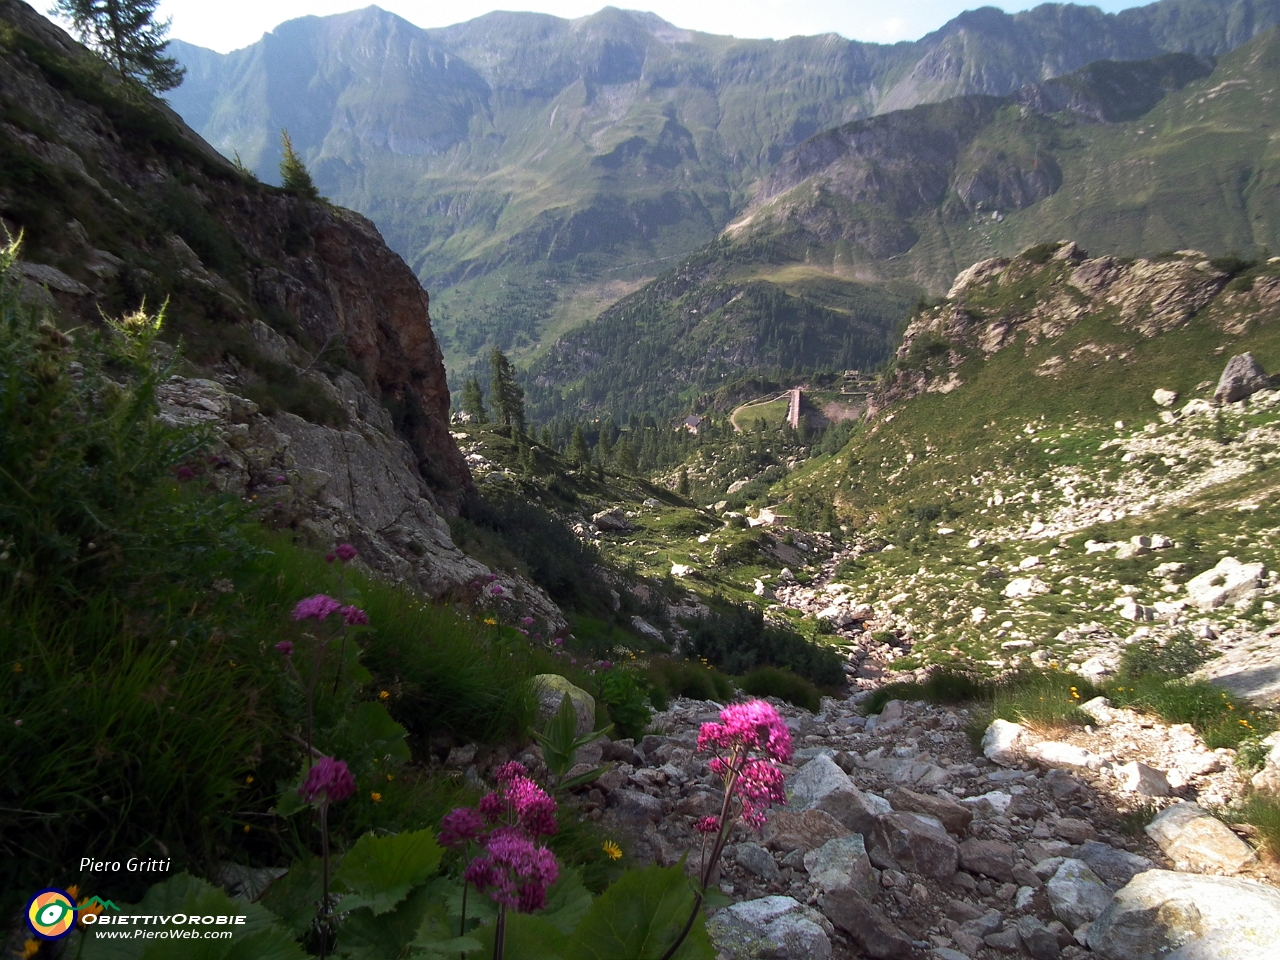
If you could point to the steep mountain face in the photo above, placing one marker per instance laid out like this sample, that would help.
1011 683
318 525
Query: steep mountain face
307 343
555 156
1134 158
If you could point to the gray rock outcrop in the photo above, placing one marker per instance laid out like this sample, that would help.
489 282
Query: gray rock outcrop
1242 377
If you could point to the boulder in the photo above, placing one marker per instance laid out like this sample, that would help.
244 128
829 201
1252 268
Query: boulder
801 829
1064 756
1198 842
914 842
1229 582
1037 939
870 929
1115 867
1076 893
1025 587
757 860
551 688
779 928
953 815
840 864
647 630
991 858
613 519
1137 777
636 808
1164 398
1162 914
1002 742
822 785
1242 377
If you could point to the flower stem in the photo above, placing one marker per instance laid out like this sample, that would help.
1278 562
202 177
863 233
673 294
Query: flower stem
324 887
500 933
462 927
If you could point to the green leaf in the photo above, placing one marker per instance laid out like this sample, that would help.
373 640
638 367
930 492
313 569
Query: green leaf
529 937
364 936
453 945
567 901
372 733
379 872
639 917
258 938
587 777
290 802
295 897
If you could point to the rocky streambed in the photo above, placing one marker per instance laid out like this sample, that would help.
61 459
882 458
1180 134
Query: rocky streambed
903 839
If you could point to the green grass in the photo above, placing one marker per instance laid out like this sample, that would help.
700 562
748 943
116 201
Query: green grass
1263 811
783 684
1220 718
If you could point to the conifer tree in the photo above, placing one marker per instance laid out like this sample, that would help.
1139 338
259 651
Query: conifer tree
624 458
682 484
473 401
579 452
294 175
505 393
126 34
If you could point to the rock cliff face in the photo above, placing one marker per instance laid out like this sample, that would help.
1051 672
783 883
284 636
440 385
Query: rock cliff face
309 341
1041 294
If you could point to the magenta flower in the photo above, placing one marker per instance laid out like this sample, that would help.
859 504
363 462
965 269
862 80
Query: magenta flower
509 771
527 621
707 825
328 781
316 608
460 827
559 641
355 616
606 664
285 647
282 479
753 725
329 558
514 871
185 473
345 551
496 590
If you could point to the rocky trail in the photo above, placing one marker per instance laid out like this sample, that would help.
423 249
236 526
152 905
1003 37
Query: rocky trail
902 840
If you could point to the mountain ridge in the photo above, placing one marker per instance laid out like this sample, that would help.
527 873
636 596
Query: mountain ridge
565 154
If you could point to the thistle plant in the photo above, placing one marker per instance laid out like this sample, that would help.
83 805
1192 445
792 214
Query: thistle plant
749 745
512 867
328 781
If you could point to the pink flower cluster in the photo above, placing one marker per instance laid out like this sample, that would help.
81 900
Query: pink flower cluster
756 781
753 725
328 781
321 607
514 870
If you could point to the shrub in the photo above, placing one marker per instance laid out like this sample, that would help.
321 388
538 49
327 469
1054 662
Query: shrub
737 640
941 686
1176 656
627 698
783 684
670 678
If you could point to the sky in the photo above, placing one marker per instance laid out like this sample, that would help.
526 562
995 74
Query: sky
226 25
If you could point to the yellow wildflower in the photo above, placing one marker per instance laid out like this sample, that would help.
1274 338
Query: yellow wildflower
377 797
383 695
30 948
490 621
390 777
17 668
246 828
249 779
611 850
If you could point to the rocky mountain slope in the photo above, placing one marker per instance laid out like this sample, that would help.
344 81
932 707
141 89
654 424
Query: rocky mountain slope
524 165
1132 158
307 342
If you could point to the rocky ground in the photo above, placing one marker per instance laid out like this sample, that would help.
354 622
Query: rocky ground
900 839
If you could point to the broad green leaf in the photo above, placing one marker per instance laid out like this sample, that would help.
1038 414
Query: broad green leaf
639 917
364 936
295 897
372 732
379 872
529 937
455 945
567 901
260 937
587 777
